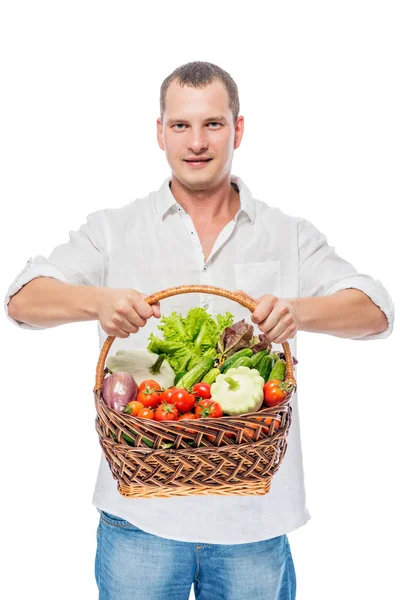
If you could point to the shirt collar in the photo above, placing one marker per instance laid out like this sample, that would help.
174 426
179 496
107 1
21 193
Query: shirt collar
166 202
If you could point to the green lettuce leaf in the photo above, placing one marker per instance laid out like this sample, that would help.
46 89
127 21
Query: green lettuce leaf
188 339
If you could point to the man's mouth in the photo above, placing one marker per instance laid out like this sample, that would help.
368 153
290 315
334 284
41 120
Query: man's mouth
196 160
198 163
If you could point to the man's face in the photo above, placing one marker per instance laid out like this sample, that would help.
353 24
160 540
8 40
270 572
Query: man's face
198 123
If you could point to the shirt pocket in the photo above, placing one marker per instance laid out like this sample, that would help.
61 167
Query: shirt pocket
258 279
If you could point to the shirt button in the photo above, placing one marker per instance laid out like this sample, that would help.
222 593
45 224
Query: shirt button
205 269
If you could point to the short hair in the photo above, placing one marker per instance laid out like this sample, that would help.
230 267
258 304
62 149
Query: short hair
199 74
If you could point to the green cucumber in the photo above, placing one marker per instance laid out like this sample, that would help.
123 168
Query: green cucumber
211 376
275 357
195 374
242 361
278 370
231 359
256 358
265 367
179 376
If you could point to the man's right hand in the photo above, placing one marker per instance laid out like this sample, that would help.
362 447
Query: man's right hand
122 311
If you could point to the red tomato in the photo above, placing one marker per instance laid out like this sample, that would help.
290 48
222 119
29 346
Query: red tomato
212 437
166 394
183 400
185 416
149 398
275 392
202 389
146 413
166 412
149 384
208 409
134 407
268 420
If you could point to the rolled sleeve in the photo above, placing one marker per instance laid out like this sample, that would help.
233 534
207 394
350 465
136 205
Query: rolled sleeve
83 260
322 272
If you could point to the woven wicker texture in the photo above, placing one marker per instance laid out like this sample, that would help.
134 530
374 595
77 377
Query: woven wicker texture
227 456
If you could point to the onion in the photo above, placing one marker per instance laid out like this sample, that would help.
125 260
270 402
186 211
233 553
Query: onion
118 390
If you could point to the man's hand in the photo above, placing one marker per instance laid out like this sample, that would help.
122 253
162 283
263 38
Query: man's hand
122 311
276 317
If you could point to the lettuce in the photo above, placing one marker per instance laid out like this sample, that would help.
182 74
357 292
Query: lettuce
188 339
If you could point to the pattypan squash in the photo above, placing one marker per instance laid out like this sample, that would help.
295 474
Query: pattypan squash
238 391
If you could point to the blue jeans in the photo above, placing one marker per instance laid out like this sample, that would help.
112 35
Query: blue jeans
132 564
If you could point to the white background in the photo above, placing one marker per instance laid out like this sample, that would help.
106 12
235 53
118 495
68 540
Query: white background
319 90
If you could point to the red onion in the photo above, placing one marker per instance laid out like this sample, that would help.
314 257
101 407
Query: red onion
119 389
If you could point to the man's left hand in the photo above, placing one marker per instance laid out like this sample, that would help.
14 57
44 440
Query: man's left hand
276 317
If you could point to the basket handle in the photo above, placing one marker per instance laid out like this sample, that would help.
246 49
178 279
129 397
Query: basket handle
189 289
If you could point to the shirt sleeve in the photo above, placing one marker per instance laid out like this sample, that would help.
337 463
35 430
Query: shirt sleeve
83 260
322 273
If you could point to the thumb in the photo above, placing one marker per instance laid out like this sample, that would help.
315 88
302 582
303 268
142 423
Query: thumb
156 310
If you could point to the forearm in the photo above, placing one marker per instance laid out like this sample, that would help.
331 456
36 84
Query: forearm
348 313
47 302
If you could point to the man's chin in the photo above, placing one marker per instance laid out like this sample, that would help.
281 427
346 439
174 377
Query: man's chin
195 181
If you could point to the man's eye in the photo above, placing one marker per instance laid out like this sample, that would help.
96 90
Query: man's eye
214 123
178 124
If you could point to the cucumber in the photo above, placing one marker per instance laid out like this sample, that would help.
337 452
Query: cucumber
242 361
256 358
179 376
211 376
196 374
231 359
275 357
278 370
265 367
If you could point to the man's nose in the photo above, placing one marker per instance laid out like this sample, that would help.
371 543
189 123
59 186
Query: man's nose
197 140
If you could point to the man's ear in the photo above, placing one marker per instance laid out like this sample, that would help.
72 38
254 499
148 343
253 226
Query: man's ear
160 137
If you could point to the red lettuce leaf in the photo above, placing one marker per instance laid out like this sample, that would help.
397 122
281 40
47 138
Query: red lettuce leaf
235 338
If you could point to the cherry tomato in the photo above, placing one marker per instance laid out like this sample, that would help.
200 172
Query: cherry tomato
149 398
212 437
208 409
166 412
250 430
185 416
202 389
268 420
134 407
275 392
146 413
149 384
166 394
183 400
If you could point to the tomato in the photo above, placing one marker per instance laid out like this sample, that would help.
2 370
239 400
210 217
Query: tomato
166 412
183 400
268 420
202 389
146 413
149 384
185 416
275 392
250 430
166 394
149 398
208 409
134 406
212 437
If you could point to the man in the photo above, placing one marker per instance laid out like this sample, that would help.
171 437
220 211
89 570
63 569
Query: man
202 226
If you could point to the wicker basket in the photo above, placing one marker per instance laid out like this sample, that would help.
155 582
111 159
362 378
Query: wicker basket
232 455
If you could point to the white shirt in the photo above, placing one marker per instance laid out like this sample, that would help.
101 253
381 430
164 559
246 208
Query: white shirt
261 251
